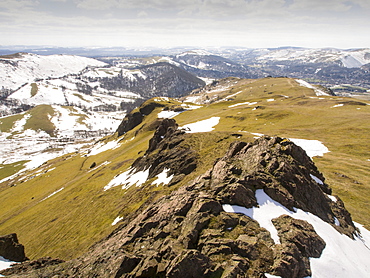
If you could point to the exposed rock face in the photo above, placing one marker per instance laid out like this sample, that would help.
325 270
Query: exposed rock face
188 234
165 151
284 172
30 265
299 241
11 249
133 119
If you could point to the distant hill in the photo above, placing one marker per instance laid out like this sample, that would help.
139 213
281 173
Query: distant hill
21 68
343 71
29 79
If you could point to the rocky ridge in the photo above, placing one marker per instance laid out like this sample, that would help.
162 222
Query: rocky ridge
189 234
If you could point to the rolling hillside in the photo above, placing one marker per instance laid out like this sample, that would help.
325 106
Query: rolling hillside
66 205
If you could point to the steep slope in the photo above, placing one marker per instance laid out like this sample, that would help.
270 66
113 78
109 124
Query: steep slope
76 200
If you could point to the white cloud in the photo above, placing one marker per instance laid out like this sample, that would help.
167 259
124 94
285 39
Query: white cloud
251 23
96 4
17 4
362 3
142 14
319 5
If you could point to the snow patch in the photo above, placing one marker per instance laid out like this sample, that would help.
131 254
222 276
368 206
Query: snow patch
163 177
5 263
336 221
308 85
102 147
337 105
233 95
271 276
162 99
316 179
267 210
258 135
115 221
342 256
128 179
242 103
19 125
168 114
331 197
52 194
207 80
202 126
312 147
270 100
171 114
29 67
193 99
190 107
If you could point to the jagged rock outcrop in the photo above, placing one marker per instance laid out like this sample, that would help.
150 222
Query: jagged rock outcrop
11 249
285 172
165 151
134 118
299 241
189 234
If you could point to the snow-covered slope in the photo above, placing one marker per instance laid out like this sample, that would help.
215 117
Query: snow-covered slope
17 69
62 130
71 91
108 88
347 58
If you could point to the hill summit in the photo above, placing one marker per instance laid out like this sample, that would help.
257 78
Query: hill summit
262 209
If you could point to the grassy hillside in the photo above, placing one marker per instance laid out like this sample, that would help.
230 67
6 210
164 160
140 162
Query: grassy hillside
80 212
36 119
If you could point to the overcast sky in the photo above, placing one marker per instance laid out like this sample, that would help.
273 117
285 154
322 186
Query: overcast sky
247 23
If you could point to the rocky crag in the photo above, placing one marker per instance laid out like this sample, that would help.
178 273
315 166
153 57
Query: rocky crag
188 233
11 249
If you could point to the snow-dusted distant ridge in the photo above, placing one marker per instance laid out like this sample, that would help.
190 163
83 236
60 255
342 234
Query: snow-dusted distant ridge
353 58
199 52
20 68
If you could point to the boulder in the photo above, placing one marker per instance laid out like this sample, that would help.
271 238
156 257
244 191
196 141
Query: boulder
11 249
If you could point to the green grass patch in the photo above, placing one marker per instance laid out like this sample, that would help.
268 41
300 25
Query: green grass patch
39 119
6 170
7 123
34 89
